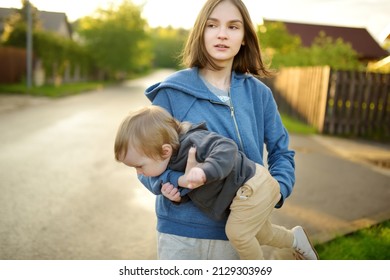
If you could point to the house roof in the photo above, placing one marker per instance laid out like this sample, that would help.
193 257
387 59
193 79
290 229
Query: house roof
51 21
4 13
359 38
55 22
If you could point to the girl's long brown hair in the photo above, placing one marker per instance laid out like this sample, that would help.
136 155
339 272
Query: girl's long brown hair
248 59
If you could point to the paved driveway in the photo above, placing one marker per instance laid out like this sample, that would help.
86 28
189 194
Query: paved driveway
63 196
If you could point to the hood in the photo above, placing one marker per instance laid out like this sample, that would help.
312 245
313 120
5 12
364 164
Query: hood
188 81
185 141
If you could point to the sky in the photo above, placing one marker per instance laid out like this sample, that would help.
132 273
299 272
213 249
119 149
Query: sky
374 15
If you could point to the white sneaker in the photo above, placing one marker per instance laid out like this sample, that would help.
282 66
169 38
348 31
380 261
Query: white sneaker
303 244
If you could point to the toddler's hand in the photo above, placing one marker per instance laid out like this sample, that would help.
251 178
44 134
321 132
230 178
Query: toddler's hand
170 192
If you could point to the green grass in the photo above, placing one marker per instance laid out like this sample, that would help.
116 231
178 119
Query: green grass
51 90
295 126
367 244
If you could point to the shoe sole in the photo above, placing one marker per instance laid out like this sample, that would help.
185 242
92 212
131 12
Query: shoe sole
312 247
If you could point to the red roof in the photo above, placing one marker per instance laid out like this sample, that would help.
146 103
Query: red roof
359 38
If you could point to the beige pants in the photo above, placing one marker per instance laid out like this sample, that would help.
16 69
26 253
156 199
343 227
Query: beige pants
248 226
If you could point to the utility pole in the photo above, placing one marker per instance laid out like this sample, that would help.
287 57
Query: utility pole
29 46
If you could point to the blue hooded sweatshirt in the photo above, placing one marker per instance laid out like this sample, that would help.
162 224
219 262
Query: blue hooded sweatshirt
252 121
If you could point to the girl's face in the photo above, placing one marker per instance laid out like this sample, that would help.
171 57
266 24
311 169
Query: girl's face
224 33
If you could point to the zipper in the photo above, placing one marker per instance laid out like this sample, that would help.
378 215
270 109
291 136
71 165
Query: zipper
235 121
232 114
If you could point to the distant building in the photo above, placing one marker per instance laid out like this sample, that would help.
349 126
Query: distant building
360 39
56 22
51 21
13 59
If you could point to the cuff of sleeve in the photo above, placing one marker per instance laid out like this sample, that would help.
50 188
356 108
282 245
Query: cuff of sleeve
173 178
282 198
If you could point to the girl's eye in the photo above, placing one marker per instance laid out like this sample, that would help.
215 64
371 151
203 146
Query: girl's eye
211 24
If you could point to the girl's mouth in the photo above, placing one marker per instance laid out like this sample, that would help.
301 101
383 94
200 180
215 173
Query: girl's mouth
221 46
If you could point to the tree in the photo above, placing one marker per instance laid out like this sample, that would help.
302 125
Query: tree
283 49
15 25
334 52
275 35
117 39
277 44
167 46
56 53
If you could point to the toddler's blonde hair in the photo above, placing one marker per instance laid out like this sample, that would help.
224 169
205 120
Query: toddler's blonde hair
146 130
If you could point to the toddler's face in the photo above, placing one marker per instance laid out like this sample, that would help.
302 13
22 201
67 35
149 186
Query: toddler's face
144 165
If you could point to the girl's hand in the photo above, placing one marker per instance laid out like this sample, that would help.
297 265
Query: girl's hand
191 160
170 192
195 178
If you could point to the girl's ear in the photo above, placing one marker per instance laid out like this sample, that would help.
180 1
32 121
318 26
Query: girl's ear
167 150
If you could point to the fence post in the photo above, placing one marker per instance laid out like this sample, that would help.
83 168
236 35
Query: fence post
29 46
323 98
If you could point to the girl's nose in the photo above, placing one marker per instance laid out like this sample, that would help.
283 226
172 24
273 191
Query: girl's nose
222 34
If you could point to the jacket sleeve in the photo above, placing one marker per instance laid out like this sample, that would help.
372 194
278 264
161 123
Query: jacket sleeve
154 184
281 162
217 156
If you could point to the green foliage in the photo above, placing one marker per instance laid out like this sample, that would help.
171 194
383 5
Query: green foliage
51 90
34 13
367 244
167 46
116 38
18 21
336 53
295 126
283 49
54 51
58 52
274 35
278 46
17 37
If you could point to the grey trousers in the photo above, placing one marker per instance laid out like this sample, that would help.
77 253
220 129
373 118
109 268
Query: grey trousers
173 247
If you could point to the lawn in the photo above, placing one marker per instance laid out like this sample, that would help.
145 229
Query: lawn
297 127
51 90
367 244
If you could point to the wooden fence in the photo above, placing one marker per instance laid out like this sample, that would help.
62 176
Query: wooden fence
13 69
12 64
336 102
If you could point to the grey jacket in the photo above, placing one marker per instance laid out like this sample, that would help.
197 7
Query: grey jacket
226 169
